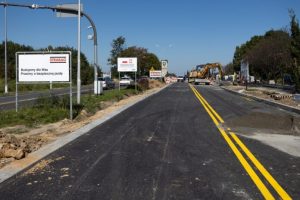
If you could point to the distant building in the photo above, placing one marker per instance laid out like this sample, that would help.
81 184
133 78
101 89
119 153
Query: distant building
164 67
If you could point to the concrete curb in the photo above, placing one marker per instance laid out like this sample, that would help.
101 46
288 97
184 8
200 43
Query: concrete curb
16 167
272 103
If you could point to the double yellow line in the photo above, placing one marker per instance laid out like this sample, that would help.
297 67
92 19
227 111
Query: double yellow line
218 121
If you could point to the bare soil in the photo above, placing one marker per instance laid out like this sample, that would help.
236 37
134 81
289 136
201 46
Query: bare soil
19 141
285 123
269 94
280 130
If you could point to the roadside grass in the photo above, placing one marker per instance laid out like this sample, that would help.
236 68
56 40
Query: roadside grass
28 87
55 108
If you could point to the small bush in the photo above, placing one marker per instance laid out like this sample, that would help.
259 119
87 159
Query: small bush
143 84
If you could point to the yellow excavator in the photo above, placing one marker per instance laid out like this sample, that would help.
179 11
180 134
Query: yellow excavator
201 75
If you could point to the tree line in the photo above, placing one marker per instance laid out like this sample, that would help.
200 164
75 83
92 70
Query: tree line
145 59
272 55
87 70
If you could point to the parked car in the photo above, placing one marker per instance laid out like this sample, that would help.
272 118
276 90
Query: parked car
125 81
107 83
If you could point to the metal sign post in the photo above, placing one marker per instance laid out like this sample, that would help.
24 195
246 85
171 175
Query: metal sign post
135 85
119 82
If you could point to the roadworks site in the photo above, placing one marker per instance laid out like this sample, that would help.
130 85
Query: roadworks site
24 132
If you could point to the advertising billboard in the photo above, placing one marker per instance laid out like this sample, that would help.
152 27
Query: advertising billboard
43 67
127 64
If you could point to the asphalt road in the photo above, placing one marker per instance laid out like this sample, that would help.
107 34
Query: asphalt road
28 98
165 147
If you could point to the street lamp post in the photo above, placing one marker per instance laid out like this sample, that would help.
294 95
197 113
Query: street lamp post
91 37
71 11
5 50
78 54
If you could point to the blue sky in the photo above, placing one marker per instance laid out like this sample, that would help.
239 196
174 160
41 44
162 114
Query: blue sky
186 32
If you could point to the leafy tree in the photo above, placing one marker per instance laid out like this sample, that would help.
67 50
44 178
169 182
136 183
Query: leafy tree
171 74
12 48
241 51
145 60
270 58
118 46
229 69
295 47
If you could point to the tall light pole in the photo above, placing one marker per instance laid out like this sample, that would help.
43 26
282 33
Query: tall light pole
70 11
5 50
95 56
78 53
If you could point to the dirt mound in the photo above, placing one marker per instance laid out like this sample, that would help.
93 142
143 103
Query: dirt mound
155 84
278 124
12 147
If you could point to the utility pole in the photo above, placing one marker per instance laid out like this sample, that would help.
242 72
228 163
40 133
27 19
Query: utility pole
78 53
78 12
5 49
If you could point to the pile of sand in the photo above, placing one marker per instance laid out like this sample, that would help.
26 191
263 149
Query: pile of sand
155 84
12 147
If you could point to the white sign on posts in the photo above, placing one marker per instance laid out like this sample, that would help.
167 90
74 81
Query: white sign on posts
127 64
43 67
244 70
155 74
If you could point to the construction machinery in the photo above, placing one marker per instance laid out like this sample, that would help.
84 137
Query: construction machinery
203 73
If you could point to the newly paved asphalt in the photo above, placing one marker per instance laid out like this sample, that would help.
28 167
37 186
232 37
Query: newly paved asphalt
164 147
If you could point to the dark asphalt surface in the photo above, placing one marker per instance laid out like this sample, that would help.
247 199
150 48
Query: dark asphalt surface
164 147
28 98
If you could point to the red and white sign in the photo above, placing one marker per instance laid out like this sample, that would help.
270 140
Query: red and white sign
155 74
127 64
43 67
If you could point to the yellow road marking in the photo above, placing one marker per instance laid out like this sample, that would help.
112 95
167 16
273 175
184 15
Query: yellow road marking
261 168
263 189
265 192
207 104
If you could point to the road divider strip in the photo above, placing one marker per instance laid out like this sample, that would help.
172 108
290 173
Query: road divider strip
217 119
